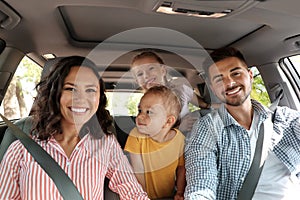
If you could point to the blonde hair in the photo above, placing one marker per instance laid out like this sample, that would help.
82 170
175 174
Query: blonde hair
147 54
170 100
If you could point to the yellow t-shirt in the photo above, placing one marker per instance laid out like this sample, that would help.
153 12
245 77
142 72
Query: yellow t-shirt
160 161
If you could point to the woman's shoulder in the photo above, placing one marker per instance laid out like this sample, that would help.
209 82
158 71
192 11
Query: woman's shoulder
15 150
16 145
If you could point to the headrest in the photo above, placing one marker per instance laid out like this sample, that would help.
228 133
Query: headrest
49 66
206 93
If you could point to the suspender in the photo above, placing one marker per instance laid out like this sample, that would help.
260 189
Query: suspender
62 181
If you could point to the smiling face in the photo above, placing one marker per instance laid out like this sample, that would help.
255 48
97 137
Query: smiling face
148 72
231 81
80 96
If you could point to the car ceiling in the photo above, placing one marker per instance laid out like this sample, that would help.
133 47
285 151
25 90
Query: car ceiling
263 30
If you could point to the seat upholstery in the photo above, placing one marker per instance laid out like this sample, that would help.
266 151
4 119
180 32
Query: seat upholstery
208 96
24 124
123 125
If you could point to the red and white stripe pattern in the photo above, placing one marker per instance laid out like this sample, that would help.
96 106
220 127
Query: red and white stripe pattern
92 159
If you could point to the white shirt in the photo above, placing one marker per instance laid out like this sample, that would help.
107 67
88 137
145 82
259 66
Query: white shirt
276 182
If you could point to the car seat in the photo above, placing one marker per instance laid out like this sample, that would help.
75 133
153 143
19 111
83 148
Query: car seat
208 97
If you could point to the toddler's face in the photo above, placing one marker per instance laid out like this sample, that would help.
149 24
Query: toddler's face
152 115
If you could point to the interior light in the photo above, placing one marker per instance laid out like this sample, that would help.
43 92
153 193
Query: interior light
48 56
195 13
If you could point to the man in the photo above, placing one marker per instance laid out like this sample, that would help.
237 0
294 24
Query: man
221 150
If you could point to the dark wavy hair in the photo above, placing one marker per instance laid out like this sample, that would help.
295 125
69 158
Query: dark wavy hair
46 110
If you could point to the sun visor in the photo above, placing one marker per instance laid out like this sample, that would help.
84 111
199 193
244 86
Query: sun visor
8 17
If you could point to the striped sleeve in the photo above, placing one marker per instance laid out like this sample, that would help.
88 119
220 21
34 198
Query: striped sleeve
11 165
122 179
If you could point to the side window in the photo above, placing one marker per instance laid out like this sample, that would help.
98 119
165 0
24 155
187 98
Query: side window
20 95
291 68
123 103
259 91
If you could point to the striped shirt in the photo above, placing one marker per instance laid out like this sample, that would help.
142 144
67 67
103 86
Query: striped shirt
90 162
217 155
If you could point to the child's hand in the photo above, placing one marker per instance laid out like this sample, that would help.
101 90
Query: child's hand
179 196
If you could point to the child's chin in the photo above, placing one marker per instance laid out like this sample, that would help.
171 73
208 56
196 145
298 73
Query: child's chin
151 85
142 131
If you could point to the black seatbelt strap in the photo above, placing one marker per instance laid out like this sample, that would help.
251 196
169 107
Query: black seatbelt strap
276 101
62 181
254 172
251 180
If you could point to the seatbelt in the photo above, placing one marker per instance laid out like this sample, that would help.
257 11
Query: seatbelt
251 180
62 181
252 177
276 101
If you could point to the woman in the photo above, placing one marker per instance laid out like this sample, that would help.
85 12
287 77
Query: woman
73 126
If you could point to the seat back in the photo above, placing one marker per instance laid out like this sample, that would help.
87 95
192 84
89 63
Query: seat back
208 96
24 124
123 125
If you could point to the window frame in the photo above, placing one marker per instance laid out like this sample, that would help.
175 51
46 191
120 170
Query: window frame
291 73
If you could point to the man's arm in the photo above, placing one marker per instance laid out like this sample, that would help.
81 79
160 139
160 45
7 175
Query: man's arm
201 161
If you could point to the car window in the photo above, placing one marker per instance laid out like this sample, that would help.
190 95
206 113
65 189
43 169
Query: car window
123 103
20 95
126 103
259 91
291 69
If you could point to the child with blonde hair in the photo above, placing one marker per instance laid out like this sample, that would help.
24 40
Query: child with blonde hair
156 147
